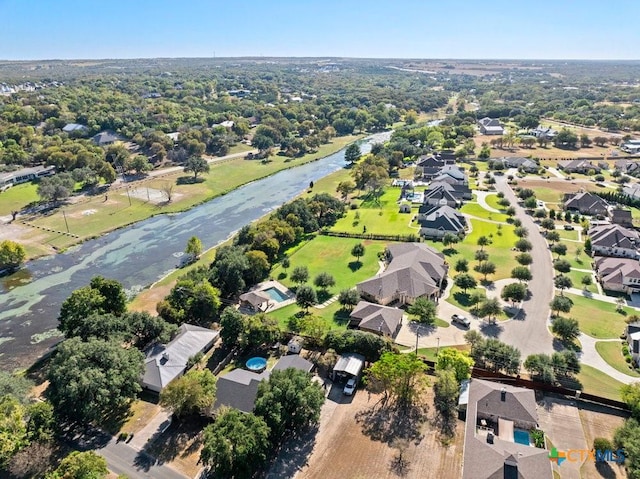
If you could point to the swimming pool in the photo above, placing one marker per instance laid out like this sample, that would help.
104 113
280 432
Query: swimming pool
256 364
521 436
276 294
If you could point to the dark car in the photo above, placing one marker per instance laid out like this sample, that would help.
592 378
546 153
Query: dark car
568 227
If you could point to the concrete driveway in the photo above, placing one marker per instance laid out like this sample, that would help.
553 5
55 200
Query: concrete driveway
560 420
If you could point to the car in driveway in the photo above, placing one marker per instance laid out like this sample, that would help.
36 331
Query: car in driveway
461 320
568 227
350 387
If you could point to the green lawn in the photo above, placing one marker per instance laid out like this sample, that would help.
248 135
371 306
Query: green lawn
492 200
596 382
17 197
333 315
474 209
568 235
576 278
548 195
582 261
430 353
597 318
384 218
460 299
611 352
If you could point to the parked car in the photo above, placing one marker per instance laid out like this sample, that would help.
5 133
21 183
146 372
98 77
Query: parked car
461 320
568 227
350 387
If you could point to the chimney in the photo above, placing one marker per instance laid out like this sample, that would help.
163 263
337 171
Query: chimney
503 394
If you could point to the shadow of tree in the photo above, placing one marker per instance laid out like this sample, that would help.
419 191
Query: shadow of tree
355 265
293 455
189 180
389 423
180 439
323 295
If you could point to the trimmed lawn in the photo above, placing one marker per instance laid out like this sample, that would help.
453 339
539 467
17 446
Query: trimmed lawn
597 318
546 194
492 200
474 209
576 278
611 352
334 317
596 382
17 197
458 298
568 235
583 261
430 353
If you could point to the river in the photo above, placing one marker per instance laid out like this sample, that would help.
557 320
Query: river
137 255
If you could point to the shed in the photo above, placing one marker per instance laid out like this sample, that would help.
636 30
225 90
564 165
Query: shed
294 346
405 208
348 365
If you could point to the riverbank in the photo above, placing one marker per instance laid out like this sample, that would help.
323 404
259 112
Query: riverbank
91 217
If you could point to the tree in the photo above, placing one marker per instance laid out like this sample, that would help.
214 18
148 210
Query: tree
562 265
196 165
493 354
15 385
449 239
524 259
514 292
91 379
193 393
306 297
490 307
55 188
138 163
530 203
445 399
348 298
370 345
167 190
424 309
465 281
82 465
462 265
40 422
300 274
630 394
289 401
191 300
548 224
476 298
486 269
258 266
400 376
560 249
567 329
523 245
194 247
586 281
232 326
628 437
562 282
352 154
521 273
345 188
31 461
539 365
483 241
13 429
235 445
324 281
358 251
553 236
261 329
12 254
455 360
561 304
481 255
521 232
565 139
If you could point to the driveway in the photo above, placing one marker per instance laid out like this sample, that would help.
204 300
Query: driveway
560 420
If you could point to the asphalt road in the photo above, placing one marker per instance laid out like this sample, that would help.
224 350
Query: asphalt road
529 332
123 459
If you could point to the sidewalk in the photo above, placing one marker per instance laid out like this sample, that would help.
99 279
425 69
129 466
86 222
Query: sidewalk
590 357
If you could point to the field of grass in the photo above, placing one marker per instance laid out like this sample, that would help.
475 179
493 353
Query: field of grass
492 200
596 382
611 352
458 298
474 209
384 218
576 278
548 194
568 235
430 353
17 197
597 318
581 261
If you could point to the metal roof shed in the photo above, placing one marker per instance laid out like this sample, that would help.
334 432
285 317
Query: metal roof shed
349 364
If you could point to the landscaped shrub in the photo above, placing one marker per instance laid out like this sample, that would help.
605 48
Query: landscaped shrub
602 444
538 438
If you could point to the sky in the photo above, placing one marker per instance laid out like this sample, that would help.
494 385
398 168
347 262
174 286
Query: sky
466 29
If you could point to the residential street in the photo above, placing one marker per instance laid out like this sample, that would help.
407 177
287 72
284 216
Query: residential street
123 459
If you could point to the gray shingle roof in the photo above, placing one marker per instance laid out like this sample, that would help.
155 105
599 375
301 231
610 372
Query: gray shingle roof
586 202
376 318
293 361
614 236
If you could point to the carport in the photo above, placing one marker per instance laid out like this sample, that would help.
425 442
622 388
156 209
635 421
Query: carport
347 366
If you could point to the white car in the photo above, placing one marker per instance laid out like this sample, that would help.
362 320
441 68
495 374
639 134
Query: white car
350 387
461 320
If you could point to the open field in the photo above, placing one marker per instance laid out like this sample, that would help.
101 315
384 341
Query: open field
597 318
17 197
611 352
596 382
474 209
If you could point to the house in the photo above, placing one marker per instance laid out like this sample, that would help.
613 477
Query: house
165 362
632 191
631 146
24 175
75 128
376 319
255 301
618 274
453 175
437 221
628 166
242 93
413 270
348 366
586 203
578 166
614 240
496 442
525 164
460 192
441 195
633 338
428 166
621 217
490 126
547 133
105 138
239 388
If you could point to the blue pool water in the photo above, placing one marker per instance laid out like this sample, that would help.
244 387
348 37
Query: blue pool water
276 294
256 364
521 437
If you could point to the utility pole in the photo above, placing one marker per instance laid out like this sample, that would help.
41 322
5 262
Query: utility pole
65 220
128 196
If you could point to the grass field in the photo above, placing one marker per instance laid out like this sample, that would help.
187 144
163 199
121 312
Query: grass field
611 352
568 235
576 278
474 209
597 318
596 382
492 200
17 197
430 353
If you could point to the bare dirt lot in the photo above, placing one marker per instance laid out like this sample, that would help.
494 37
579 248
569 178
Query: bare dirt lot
600 422
342 450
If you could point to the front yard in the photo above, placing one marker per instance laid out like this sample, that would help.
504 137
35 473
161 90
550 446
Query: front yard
598 318
611 352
